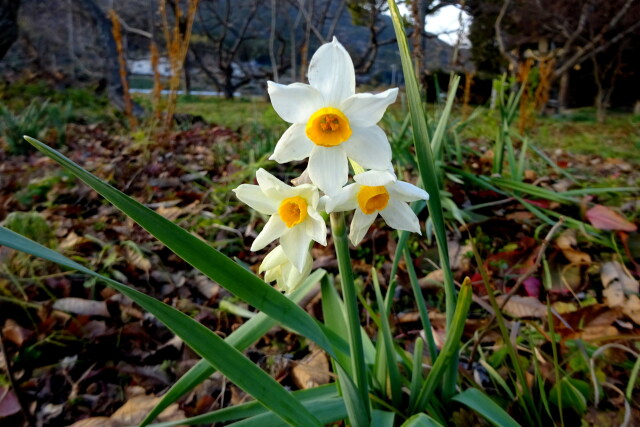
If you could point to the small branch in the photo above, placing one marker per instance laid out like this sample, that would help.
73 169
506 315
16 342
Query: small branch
12 381
512 59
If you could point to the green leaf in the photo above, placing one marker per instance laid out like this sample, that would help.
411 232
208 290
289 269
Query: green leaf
449 350
241 338
426 162
326 410
573 394
200 255
252 409
482 404
388 348
382 418
229 361
421 420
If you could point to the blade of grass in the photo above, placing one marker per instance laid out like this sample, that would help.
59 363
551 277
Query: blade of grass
241 338
449 350
482 404
422 307
229 361
251 409
326 410
388 348
416 371
522 389
426 162
421 420
200 255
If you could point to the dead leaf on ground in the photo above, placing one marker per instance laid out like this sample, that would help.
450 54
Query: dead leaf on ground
8 402
16 333
435 279
312 371
605 218
82 306
568 243
96 422
136 408
519 306
620 289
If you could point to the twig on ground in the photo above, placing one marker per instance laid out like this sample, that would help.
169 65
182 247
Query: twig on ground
12 381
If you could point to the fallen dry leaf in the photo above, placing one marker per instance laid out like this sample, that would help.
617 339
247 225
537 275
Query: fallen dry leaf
82 306
567 243
312 371
16 333
605 218
136 408
96 422
620 289
519 306
8 402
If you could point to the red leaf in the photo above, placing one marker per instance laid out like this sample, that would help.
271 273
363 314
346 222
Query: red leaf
605 218
8 403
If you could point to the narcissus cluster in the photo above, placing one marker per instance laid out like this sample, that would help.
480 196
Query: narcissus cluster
330 125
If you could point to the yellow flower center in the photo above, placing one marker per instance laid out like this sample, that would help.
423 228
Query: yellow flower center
372 199
328 127
293 210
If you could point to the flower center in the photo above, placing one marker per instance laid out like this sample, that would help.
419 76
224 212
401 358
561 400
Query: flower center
328 127
372 199
293 210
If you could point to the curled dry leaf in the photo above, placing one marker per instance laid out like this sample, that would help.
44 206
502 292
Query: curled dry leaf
312 371
16 333
567 243
519 306
620 289
605 218
8 402
434 279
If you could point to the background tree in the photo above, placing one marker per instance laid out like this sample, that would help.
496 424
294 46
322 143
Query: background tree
8 24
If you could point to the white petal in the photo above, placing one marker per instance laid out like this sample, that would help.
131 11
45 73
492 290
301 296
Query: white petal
316 227
272 187
273 229
399 215
406 192
343 200
295 244
274 259
366 109
292 145
375 178
328 168
331 72
296 102
369 147
360 225
253 196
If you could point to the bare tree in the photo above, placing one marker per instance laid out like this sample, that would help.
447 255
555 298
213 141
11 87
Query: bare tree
8 24
577 30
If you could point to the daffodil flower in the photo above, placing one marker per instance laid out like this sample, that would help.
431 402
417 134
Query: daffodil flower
377 192
294 216
277 267
330 122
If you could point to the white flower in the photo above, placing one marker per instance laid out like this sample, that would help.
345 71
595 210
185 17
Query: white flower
276 266
330 122
377 192
294 216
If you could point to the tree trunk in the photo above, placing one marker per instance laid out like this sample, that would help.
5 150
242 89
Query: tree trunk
115 91
8 24
563 93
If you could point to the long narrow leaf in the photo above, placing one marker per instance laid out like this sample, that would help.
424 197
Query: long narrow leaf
449 350
200 255
229 361
426 162
252 409
482 404
421 420
241 338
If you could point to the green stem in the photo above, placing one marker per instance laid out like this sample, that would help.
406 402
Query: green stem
339 232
